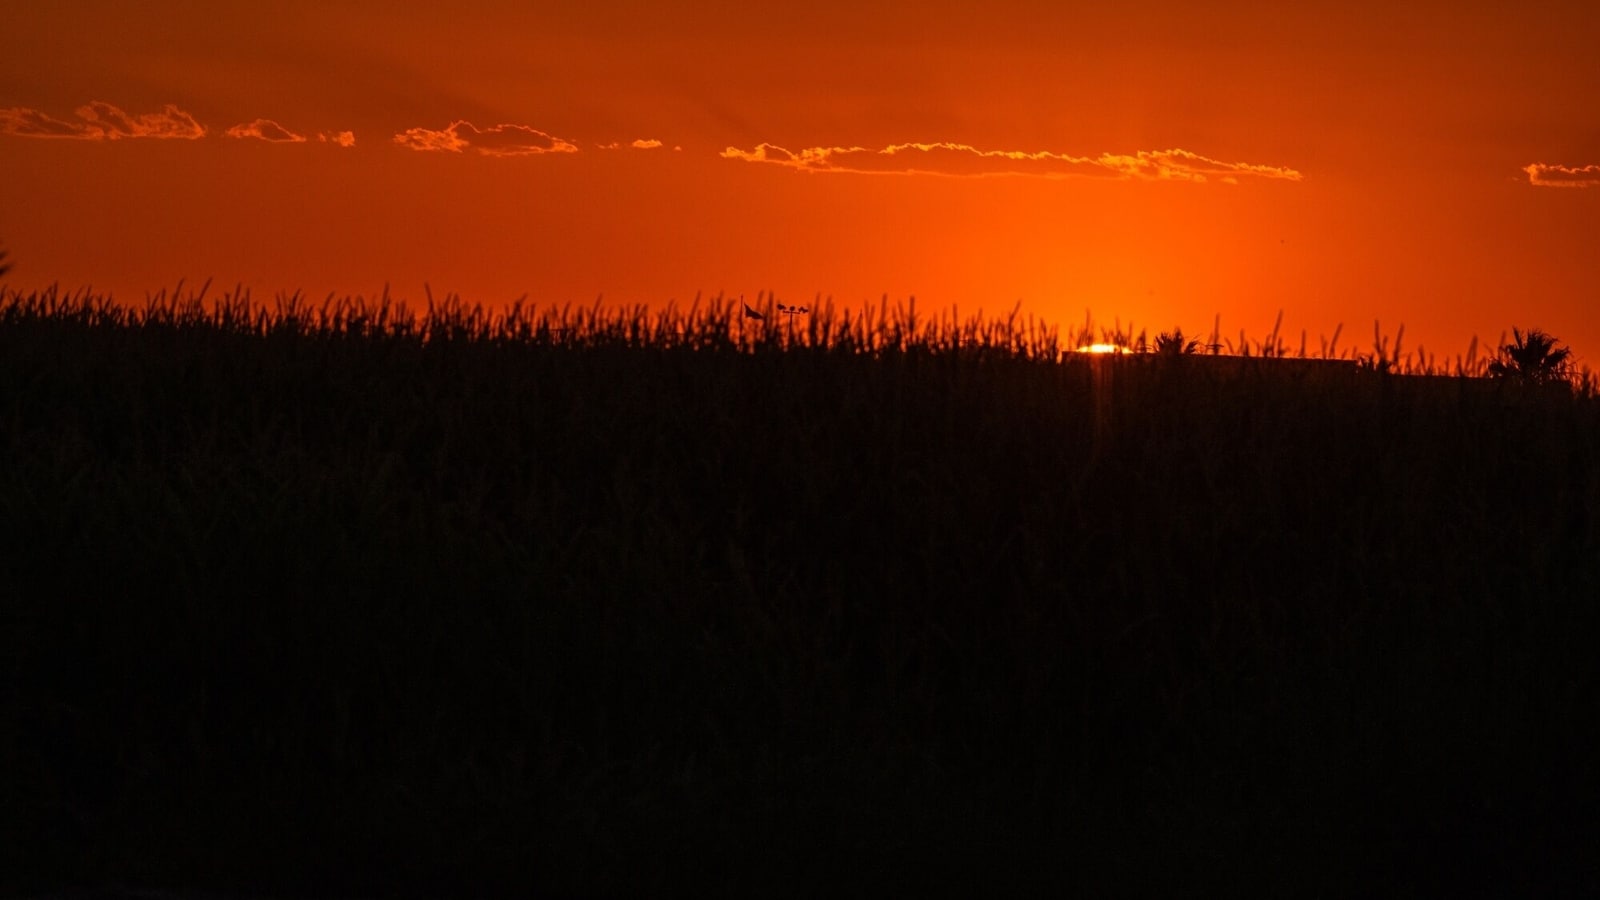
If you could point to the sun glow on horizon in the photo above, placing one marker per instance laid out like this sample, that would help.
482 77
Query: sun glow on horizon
1161 161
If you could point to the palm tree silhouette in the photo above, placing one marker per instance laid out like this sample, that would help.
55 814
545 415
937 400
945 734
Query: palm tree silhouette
1532 357
1174 344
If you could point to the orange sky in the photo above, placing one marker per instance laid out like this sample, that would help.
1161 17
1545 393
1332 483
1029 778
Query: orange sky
1161 162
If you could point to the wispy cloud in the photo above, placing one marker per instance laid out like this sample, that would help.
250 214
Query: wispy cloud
639 144
273 133
100 121
965 161
499 140
1543 175
266 130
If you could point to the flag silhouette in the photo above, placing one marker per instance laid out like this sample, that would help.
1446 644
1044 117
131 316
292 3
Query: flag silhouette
752 314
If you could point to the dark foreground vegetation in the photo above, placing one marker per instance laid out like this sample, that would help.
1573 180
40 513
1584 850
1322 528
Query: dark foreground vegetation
340 601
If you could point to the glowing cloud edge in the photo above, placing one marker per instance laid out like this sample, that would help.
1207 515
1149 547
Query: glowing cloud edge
967 161
1547 175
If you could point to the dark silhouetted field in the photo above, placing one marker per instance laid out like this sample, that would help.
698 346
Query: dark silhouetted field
335 600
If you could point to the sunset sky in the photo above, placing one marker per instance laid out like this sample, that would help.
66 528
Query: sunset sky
1436 165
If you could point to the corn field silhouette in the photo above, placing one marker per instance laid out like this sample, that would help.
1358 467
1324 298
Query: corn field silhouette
350 597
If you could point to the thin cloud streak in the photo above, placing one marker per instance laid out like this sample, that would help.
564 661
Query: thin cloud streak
952 160
638 144
1545 175
273 133
266 130
498 140
101 121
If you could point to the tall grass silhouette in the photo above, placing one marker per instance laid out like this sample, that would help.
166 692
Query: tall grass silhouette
346 596
717 323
